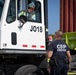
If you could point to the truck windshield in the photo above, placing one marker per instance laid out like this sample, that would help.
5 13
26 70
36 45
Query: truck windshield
1 7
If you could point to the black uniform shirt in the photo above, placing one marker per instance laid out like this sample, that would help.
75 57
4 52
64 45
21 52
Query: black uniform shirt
59 48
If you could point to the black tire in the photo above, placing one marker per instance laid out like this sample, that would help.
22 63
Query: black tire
28 70
1 72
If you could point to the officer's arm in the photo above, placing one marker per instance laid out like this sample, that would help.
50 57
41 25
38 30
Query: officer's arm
69 56
49 54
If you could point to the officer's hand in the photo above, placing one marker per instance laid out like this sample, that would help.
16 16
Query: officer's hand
69 67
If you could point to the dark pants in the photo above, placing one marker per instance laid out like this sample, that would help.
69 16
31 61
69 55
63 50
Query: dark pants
61 69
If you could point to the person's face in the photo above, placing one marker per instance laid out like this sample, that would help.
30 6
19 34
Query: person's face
31 9
50 38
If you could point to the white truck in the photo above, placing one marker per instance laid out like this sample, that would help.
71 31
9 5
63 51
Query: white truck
22 49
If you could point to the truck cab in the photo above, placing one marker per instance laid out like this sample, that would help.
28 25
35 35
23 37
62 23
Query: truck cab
31 35
22 43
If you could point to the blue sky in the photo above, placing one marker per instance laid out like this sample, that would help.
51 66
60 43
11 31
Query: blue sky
53 15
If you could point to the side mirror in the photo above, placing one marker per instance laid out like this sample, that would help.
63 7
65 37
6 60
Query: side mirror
23 19
22 16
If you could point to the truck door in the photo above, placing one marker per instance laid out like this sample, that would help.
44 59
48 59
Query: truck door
29 35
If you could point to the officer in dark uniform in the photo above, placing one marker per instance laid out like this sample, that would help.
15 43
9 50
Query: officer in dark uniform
59 55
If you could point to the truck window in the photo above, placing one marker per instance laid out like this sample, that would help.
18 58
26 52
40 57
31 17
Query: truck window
32 9
11 16
1 7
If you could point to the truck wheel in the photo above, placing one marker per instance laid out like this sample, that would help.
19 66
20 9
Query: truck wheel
28 70
1 72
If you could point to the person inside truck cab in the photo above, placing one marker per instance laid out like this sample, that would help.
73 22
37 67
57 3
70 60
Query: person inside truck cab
30 14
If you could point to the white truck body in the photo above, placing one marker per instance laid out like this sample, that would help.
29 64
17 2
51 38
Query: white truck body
30 37
23 43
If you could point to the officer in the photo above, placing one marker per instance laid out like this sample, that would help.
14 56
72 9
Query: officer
57 52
